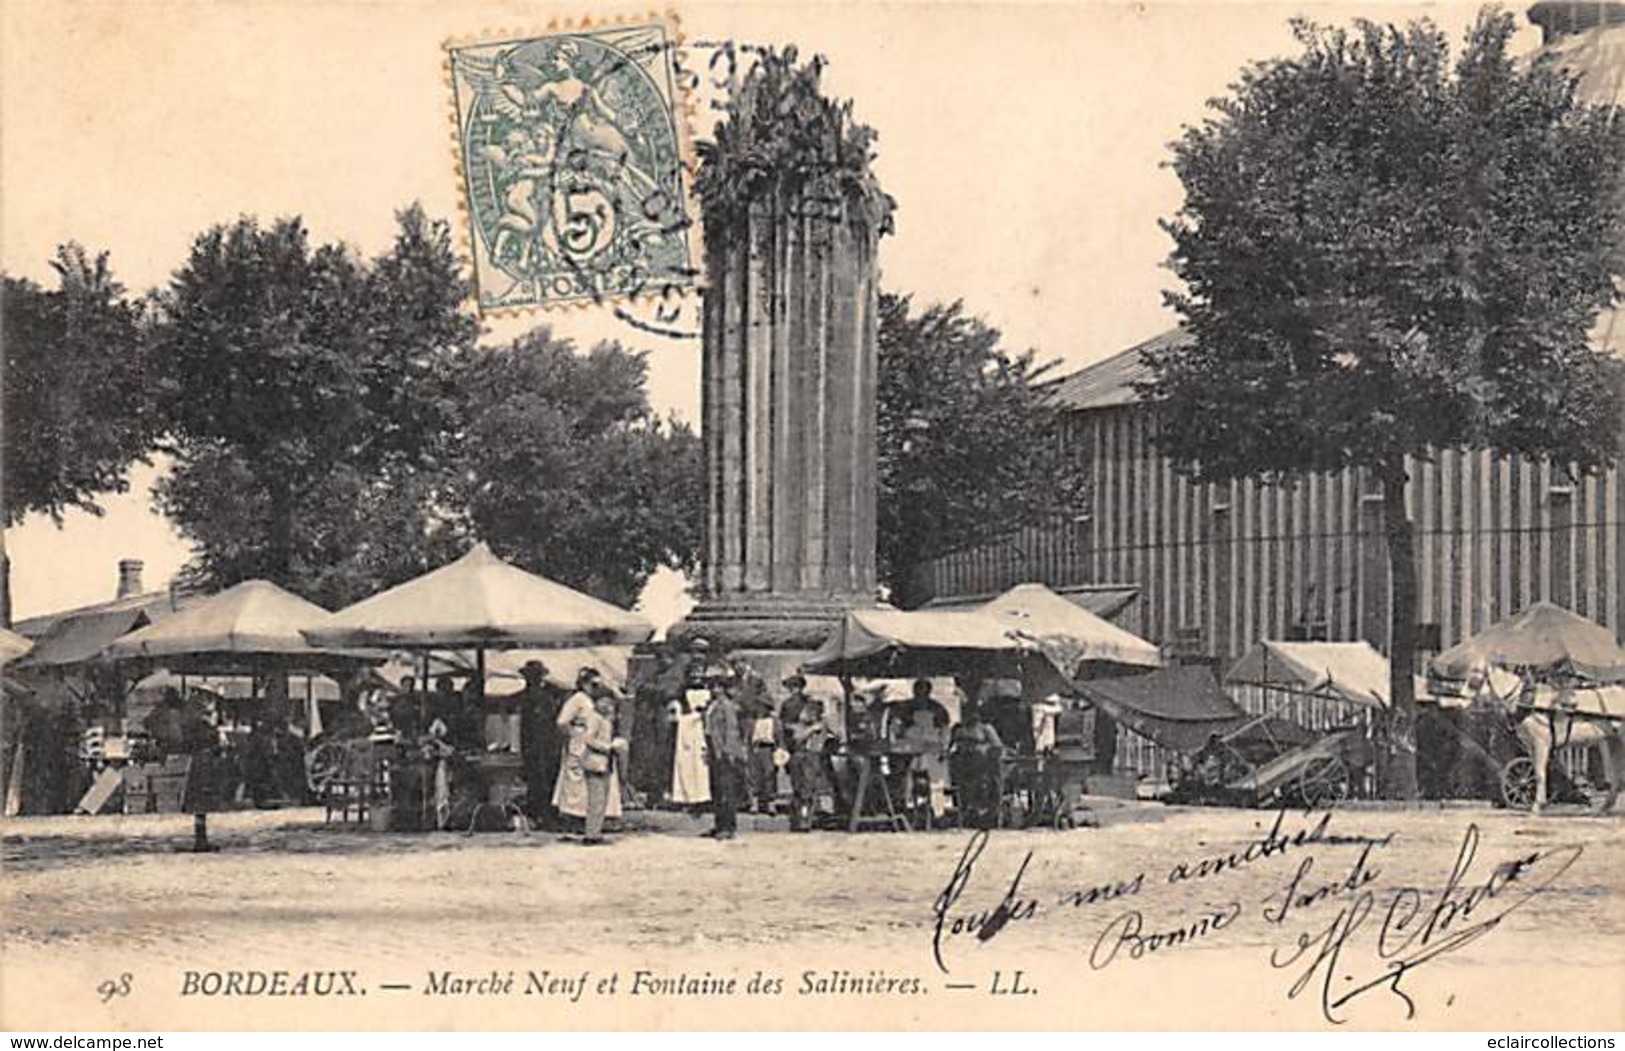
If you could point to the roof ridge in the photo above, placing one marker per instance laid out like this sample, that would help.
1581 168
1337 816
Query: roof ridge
1110 381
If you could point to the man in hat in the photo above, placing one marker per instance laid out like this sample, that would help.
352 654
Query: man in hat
539 740
726 752
795 700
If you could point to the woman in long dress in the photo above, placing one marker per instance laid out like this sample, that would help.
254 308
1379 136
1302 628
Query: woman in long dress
690 774
570 793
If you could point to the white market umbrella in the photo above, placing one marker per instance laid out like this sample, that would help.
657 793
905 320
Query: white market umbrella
1543 640
1074 637
480 602
245 627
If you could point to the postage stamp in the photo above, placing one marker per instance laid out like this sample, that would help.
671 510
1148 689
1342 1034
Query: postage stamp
572 162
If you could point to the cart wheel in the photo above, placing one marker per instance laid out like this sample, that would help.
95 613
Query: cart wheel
323 764
1518 783
1324 783
1064 821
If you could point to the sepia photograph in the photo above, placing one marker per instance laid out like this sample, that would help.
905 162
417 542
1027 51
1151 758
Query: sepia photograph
921 516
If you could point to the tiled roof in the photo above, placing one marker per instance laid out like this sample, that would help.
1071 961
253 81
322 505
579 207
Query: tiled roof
155 604
1111 382
79 638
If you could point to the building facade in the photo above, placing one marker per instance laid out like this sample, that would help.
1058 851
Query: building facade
1218 567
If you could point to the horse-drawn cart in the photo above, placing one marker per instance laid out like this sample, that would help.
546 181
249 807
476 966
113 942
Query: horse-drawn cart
1257 765
1318 775
1473 753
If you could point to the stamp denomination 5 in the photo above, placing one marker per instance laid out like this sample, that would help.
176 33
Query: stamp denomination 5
571 148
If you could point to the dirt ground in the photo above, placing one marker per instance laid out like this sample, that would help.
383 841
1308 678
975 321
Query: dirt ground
1537 944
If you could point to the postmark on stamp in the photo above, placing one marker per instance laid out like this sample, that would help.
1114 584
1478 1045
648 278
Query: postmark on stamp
572 157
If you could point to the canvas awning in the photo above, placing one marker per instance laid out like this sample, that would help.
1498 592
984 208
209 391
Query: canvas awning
82 638
252 622
1544 640
239 687
1179 707
889 644
1103 600
481 602
1071 636
1348 671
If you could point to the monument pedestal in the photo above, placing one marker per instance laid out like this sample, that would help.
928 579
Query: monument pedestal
767 621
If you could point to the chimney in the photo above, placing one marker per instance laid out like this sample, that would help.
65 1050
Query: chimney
129 577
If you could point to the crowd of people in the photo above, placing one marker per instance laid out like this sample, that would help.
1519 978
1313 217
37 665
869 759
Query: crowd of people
694 730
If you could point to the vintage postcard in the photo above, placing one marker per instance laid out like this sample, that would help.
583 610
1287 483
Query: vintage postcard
907 516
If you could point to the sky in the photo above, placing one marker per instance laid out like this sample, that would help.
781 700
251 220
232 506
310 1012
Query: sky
1023 144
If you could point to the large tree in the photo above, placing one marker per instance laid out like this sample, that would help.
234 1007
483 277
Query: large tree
565 469
1387 253
969 440
77 408
309 396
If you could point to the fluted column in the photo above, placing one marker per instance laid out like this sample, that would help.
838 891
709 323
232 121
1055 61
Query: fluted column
789 418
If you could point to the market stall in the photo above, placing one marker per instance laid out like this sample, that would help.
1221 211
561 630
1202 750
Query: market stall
1018 657
65 688
1318 685
1221 752
251 633
477 603
12 696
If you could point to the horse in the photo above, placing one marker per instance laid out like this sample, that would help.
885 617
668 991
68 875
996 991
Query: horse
1550 717
1554 717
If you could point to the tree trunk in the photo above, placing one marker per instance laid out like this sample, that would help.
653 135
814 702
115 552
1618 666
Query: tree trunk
1398 735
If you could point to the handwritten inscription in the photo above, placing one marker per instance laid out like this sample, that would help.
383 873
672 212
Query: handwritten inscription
1329 919
984 924
1127 934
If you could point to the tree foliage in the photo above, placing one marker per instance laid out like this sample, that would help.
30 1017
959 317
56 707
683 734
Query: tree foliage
782 138
77 411
1385 255
969 441
309 397
1388 253
336 429
566 470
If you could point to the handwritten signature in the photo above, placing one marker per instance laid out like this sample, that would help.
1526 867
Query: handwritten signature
1414 929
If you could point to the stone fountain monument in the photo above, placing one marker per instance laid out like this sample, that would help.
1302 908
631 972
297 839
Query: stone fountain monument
792 217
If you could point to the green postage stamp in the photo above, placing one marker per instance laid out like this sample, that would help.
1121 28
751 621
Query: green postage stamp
572 162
